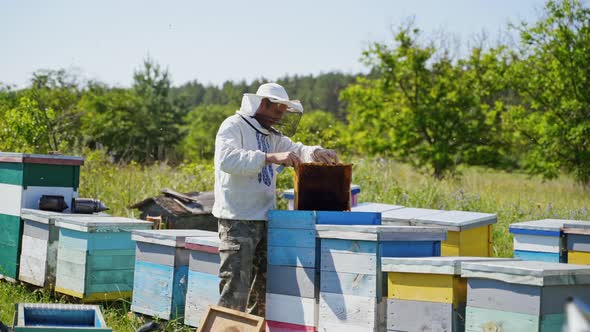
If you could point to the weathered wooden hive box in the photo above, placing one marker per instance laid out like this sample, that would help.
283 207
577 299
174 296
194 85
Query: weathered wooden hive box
426 293
355 190
24 178
541 240
293 265
374 207
161 271
470 233
321 187
35 317
203 280
95 257
577 237
352 289
38 257
521 295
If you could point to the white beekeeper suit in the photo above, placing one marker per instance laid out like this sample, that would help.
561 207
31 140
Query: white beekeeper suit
244 183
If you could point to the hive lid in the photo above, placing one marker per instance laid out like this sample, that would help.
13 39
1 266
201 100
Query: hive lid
48 217
381 233
100 223
458 220
551 226
528 272
406 215
431 265
580 227
26 158
207 241
374 207
168 237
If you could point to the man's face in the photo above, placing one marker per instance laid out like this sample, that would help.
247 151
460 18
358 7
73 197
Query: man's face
270 113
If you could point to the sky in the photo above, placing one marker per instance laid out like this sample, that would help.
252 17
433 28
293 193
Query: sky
215 41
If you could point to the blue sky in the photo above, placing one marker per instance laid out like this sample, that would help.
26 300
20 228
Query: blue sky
215 41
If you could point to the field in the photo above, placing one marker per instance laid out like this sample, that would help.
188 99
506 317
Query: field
514 197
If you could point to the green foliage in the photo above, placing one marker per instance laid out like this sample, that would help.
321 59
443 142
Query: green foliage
322 128
553 80
25 128
425 109
200 129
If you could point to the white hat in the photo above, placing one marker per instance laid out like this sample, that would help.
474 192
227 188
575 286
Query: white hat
275 93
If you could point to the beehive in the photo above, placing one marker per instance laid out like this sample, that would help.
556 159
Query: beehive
352 296
24 178
577 237
355 190
35 317
38 257
521 295
161 272
541 240
426 293
95 257
203 280
470 233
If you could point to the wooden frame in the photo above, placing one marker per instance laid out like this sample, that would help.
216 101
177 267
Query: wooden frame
218 318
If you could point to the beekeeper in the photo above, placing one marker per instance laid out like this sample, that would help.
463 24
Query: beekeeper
249 147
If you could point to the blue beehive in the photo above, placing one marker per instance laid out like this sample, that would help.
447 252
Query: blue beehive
30 317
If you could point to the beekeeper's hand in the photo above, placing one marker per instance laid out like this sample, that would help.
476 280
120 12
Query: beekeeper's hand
283 158
326 156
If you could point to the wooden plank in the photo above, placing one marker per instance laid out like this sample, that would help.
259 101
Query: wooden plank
10 199
35 230
11 173
153 290
204 262
351 310
480 319
475 242
404 315
351 246
410 248
202 291
291 309
291 219
273 326
349 283
33 261
499 295
536 243
348 218
32 195
159 254
576 242
451 246
348 262
537 256
578 257
10 237
279 237
223 319
291 280
441 288
292 256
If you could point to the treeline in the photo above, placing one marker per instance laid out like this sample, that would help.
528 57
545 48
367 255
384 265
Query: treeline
523 106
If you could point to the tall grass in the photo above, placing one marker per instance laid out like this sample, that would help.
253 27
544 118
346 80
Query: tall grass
514 197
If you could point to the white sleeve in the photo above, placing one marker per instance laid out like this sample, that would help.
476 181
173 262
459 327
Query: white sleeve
305 152
230 155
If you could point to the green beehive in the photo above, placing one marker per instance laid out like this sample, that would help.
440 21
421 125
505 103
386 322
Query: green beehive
24 178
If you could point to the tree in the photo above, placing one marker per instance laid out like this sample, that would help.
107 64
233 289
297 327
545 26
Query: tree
200 130
422 107
322 128
24 128
553 79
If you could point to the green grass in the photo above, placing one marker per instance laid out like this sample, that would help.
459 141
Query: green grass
514 197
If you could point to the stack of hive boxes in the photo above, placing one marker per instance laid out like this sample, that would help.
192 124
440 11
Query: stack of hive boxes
541 240
521 295
161 272
203 280
577 237
24 178
426 293
352 294
293 265
95 257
